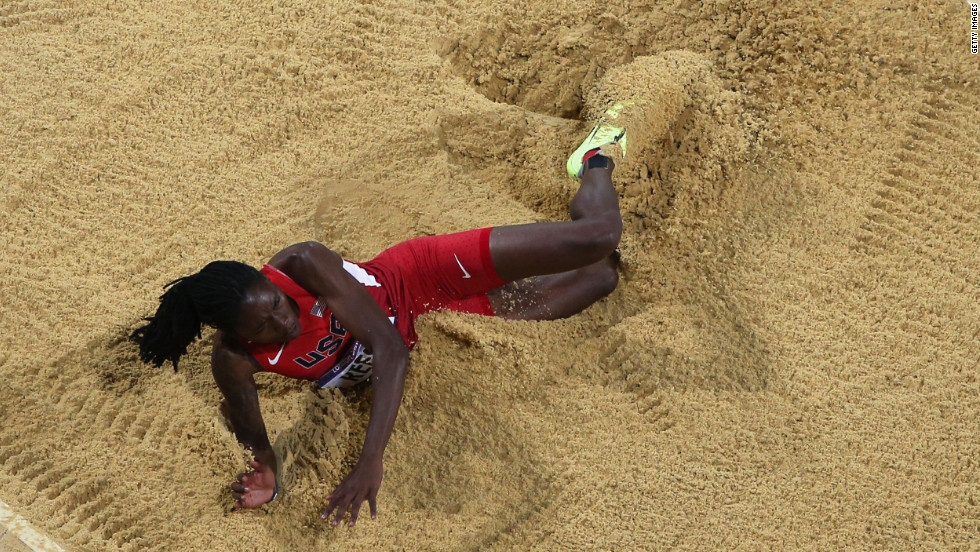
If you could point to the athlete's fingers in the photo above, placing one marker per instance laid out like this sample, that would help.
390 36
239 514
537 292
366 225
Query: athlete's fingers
238 496
355 508
330 506
373 503
241 476
255 464
238 506
238 487
341 511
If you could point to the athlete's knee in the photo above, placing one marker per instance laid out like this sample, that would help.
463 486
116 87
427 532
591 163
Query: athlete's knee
601 237
605 280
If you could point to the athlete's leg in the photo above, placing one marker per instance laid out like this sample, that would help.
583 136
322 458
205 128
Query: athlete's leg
555 296
526 250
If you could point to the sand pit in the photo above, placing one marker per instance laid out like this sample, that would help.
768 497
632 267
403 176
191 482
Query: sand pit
790 361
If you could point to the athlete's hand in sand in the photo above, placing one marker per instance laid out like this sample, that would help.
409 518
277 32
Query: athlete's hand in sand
361 484
254 488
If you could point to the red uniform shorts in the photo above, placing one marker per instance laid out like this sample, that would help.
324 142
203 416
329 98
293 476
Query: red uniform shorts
433 273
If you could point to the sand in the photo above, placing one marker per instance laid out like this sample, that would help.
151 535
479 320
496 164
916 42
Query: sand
790 361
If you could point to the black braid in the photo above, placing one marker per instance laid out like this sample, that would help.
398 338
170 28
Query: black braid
213 296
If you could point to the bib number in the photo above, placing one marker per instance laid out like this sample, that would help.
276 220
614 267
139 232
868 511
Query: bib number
351 369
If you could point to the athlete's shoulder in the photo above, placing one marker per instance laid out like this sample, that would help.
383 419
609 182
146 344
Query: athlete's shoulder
312 265
230 355
303 256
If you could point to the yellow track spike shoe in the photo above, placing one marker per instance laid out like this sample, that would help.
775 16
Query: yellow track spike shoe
602 134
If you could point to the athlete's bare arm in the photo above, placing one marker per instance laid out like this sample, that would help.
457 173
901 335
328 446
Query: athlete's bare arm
320 271
233 369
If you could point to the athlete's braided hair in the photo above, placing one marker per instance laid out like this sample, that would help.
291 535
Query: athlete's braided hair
212 296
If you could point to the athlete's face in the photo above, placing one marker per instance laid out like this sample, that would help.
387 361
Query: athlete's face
268 315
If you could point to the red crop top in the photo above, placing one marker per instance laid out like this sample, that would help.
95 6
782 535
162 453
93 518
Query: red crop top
324 352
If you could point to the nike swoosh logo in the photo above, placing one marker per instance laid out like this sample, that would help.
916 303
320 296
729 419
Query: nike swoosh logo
273 361
465 274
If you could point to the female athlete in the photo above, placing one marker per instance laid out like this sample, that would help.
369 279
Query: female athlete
312 315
